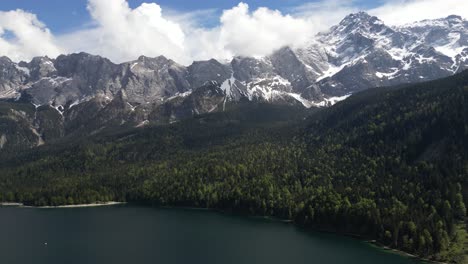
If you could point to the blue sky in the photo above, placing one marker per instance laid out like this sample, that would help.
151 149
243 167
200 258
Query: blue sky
62 16
187 30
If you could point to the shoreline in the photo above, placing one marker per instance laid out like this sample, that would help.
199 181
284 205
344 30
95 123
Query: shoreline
373 243
401 253
11 204
62 206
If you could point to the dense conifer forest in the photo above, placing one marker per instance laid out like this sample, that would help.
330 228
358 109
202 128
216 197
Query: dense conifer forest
389 164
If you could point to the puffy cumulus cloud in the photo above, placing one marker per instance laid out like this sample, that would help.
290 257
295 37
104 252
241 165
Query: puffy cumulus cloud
122 33
204 44
398 12
23 36
260 32
247 33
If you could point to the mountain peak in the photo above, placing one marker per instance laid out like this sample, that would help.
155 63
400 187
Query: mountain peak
360 17
159 61
143 58
455 17
40 60
360 21
355 24
5 59
81 56
452 21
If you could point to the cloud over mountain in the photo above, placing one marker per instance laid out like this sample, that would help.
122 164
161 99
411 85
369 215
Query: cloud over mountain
122 33
23 36
398 12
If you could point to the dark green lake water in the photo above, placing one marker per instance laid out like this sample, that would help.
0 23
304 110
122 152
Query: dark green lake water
128 234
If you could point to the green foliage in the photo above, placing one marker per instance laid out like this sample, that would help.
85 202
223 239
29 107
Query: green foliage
389 164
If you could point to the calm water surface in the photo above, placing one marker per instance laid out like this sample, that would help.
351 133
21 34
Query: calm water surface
128 234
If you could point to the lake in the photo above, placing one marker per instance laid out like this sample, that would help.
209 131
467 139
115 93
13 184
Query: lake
131 234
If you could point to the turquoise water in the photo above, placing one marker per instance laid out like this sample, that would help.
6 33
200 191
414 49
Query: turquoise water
129 234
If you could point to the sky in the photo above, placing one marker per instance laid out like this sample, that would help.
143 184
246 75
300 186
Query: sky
62 16
187 30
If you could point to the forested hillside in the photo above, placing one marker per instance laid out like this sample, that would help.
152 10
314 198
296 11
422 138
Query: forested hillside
389 164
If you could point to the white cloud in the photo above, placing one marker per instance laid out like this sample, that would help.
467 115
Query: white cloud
398 12
260 32
325 13
23 36
122 33
247 33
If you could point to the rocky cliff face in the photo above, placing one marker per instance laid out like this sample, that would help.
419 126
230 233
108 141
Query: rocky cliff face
359 53
363 52
82 93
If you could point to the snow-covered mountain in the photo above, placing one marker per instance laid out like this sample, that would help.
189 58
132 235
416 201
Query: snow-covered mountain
360 52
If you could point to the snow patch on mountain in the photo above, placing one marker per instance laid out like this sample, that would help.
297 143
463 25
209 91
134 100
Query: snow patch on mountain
267 88
360 52
227 86
23 69
333 100
179 95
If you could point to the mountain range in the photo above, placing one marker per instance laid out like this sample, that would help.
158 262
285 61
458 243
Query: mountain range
47 99
362 131
389 164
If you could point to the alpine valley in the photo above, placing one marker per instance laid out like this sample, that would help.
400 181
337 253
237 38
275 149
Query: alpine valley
364 131
83 94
